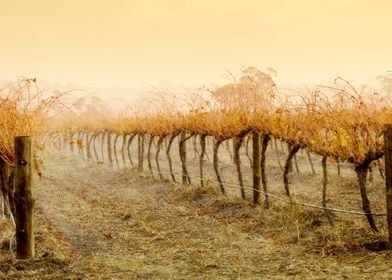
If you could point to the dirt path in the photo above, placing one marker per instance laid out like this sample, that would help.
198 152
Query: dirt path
134 226
121 225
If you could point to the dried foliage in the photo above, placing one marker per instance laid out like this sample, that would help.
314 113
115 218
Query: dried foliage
340 120
23 111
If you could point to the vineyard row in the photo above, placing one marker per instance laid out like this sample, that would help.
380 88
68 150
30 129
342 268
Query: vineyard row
253 144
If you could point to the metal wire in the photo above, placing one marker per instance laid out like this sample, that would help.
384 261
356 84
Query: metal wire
339 210
352 212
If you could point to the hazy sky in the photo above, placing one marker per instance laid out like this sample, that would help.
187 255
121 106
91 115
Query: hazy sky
128 43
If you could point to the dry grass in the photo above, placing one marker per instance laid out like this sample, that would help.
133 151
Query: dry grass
104 223
6 232
53 256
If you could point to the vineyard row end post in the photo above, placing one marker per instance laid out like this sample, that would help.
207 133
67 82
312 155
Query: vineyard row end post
23 198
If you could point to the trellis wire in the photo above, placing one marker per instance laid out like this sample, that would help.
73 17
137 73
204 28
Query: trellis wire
352 212
339 210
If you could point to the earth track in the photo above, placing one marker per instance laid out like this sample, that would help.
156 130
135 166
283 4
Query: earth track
121 224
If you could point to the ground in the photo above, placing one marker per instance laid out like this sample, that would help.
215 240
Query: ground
98 222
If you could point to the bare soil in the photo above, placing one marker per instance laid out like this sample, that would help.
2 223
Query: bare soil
96 222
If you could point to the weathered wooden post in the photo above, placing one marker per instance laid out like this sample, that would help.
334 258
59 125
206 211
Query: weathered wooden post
388 177
23 198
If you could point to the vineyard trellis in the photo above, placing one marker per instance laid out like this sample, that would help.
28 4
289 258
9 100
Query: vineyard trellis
340 123
23 114
219 182
172 172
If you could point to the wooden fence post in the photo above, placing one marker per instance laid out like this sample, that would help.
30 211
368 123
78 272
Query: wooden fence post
23 198
388 178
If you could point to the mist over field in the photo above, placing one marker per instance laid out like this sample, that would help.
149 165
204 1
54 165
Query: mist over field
176 139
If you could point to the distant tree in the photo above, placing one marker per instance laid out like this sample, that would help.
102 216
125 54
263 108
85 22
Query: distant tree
252 89
386 82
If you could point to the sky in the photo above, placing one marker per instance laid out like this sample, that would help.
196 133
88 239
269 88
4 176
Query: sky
133 43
